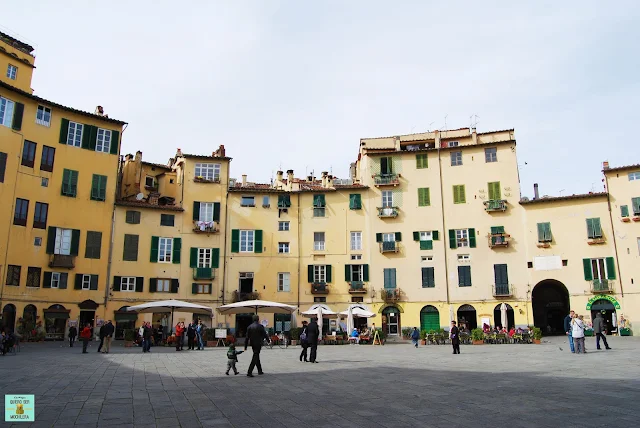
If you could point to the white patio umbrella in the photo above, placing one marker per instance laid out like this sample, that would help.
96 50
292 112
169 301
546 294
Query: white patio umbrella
614 320
452 315
349 320
313 311
169 306
256 306
358 311
503 315
319 310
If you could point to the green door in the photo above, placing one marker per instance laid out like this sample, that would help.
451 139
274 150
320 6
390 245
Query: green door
429 319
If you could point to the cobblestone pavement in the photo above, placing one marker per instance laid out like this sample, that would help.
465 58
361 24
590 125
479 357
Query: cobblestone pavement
352 386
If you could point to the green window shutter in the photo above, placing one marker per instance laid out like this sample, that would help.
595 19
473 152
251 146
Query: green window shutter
586 264
398 237
428 279
98 187
77 284
624 210
175 284
495 230
51 240
347 273
386 281
494 191
194 288
139 284
424 277
155 241
378 237
310 273
75 242
426 245
436 235
472 238
93 284
365 273
421 161
611 268
153 285
196 211
216 211
193 257
235 240
69 182
18 111
64 131
540 232
597 229
459 196
46 280
355 201
215 258
416 236
392 277
500 274
115 137
635 203
86 137
103 188
547 231
257 247
93 136
177 246
328 270
452 239
423 197
117 280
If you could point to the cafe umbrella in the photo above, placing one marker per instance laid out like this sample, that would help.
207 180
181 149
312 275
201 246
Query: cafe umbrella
170 306
256 306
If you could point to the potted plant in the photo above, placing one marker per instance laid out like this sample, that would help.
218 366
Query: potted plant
406 333
537 335
477 336
625 332
210 337
295 335
423 336
129 338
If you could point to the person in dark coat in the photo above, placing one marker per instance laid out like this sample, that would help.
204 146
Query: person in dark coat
255 335
568 330
598 329
109 331
313 334
73 333
454 334
148 332
304 342
191 336
102 334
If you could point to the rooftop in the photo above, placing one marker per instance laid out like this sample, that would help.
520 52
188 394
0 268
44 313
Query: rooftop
546 199
157 165
381 152
187 155
24 47
621 168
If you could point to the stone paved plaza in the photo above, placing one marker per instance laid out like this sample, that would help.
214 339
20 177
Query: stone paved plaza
353 386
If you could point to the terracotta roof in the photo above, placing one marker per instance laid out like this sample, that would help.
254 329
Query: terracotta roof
157 165
60 106
13 55
563 198
186 155
622 168
350 186
144 204
395 152
16 43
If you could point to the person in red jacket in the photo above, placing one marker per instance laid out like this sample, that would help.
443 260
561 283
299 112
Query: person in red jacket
179 336
85 335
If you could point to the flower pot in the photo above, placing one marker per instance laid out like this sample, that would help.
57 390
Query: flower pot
625 332
478 342
536 341
636 219
626 220
128 343
424 341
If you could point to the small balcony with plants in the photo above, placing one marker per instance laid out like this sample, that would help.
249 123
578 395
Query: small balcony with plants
388 212
201 179
502 290
495 205
319 288
62 261
204 273
205 227
389 247
497 238
382 180
391 294
357 287
239 296
599 286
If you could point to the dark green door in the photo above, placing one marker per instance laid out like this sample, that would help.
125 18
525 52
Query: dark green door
429 318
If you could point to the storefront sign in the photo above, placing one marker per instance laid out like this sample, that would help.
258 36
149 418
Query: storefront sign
603 297
19 408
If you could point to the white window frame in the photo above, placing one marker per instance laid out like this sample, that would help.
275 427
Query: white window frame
103 140
206 211
128 283
389 237
247 241
356 256
634 176
283 226
462 238
357 270
319 244
6 112
12 72
41 116
426 236
426 258
319 274
165 250
283 248
453 143
55 280
464 258
208 171
86 282
356 241
456 158
284 282
205 256
600 272
204 288
63 242
163 285
74 136
154 182
387 199
244 203
493 155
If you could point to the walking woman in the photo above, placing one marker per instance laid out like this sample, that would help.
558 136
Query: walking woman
577 331
454 334
304 342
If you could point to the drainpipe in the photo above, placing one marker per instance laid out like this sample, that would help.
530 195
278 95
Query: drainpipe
299 253
445 235
615 243
225 275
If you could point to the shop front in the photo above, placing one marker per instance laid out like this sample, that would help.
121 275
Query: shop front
124 321
55 322
608 307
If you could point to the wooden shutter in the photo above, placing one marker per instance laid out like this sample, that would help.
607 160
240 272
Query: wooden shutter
75 242
586 264
435 235
115 137
472 238
416 236
328 273
421 161
452 239
235 240
86 137
194 288
257 245
423 197
611 268
355 201
624 209
77 285
193 257
494 191
398 236
46 280
365 273
93 136
464 276
196 211
93 284
117 280
177 246
174 285
392 277
215 258
593 228
547 231
153 285
431 282
155 241
139 284
130 252
378 237
310 273
426 245
347 273
93 245
500 274
216 211
3 165
424 277
51 240
635 202
18 111
63 281
64 131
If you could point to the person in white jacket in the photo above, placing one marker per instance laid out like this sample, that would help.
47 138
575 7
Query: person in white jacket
577 331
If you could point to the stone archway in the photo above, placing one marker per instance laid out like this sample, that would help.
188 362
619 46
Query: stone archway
429 318
550 302
497 316
467 317
391 321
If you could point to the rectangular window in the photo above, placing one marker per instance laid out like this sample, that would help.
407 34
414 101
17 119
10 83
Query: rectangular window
464 276
33 276
206 212
424 198
163 285
3 165
284 281
48 156
150 182
624 210
355 201
356 241
356 256
74 136
43 116
494 191
594 231
544 232
453 144
93 245
86 282
459 194
99 187
165 248
635 205
130 251
501 278
13 275
386 165
421 161
388 237
20 213
205 257
490 154
208 171
318 241
283 226
463 258
283 247
387 199
62 244
133 217
462 238
69 183
356 273
167 220
128 283
319 300
40 215
12 71
6 112
55 279
456 158
247 241
633 176
428 278
103 142
320 274
28 153
265 202
247 201
319 205
599 269
389 278
203 288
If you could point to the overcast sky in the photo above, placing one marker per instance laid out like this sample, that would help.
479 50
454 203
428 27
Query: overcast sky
296 84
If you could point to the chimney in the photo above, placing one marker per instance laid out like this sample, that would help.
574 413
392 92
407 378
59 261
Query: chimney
330 181
220 153
278 177
289 179
153 198
179 153
536 194
324 178
605 165
474 136
138 157
244 180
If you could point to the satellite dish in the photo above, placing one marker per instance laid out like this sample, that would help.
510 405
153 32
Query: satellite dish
140 196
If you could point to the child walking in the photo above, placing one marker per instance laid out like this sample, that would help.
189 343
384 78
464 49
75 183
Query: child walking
232 358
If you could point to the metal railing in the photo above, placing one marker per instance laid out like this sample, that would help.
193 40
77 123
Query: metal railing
498 240
495 205
501 290
388 212
389 247
601 286
241 297
62 261
319 288
205 227
203 273
386 179
390 294
357 287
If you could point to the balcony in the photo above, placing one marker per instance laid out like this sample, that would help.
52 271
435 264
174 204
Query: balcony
241 297
357 287
388 212
205 227
381 180
601 286
62 261
499 240
599 240
502 290
389 247
495 205
319 288
206 180
203 273
390 294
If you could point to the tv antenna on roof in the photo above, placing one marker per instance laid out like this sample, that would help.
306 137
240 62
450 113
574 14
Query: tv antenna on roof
473 120
445 121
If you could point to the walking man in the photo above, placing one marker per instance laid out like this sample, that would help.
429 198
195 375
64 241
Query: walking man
199 334
598 329
454 335
313 333
146 347
255 334
101 333
304 342
191 335
85 335
109 329
73 332
415 336
568 330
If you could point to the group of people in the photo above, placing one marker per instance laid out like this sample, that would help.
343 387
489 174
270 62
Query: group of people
7 340
195 335
106 333
574 327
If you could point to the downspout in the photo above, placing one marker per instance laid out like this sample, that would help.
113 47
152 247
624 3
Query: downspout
444 231
299 253
615 243
225 275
